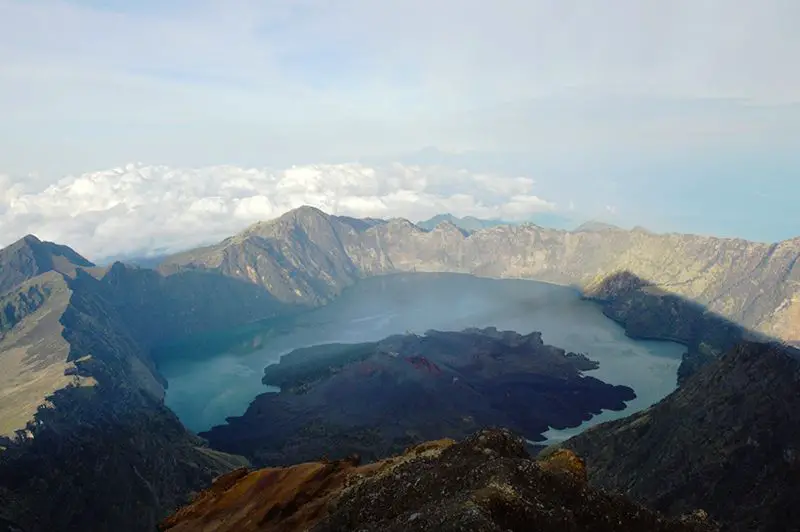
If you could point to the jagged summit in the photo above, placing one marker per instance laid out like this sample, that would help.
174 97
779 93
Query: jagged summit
447 226
304 214
29 256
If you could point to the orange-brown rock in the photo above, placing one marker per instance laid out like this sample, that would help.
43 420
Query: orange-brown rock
487 482
564 461
285 498
291 498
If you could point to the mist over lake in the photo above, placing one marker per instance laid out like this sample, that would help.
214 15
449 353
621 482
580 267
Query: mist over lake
217 376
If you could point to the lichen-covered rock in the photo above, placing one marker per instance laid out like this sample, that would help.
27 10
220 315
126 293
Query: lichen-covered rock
564 461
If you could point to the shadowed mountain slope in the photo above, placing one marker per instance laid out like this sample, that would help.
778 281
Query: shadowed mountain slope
727 439
648 312
102 452
94 447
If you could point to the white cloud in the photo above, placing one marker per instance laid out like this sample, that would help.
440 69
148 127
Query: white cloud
140 209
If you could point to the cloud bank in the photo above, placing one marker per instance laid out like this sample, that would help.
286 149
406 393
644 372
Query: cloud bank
682 115
139 209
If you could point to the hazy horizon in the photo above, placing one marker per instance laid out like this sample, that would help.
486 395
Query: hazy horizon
678 116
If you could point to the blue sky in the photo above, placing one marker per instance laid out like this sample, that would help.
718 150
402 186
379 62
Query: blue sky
680 115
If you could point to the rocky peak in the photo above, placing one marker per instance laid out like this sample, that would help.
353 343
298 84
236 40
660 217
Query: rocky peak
304 214
486 482
29 257
282 226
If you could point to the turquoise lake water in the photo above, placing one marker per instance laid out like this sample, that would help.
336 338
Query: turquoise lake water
217 377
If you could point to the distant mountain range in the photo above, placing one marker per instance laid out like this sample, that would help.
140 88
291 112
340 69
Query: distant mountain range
467 223
471 223
101 450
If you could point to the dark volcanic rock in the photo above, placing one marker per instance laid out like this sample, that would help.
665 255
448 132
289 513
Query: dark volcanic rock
486 483
8 526
115 470
728 440
375 399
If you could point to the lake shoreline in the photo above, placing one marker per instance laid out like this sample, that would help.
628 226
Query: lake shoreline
204 392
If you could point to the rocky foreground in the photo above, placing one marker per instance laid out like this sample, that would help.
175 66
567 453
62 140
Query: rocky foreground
376 399
728 439
487 482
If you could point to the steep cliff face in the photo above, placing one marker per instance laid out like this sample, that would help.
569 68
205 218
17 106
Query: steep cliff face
487 482
33 353
298 258
111 317
753 284
728 437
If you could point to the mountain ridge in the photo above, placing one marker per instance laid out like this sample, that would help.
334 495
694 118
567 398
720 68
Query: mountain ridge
103 322
28 257
754 284
467 223
93 444
484 482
